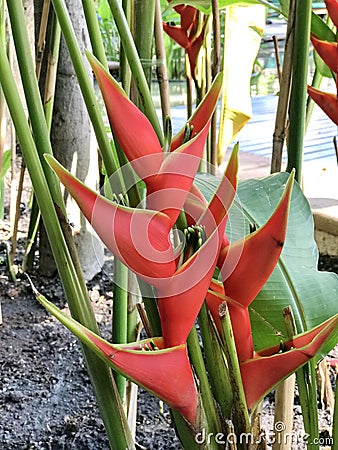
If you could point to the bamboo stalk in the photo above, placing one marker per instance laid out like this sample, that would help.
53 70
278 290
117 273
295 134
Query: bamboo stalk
14 205
161 67
229 426
52 64
280 131
40 48
283 418
15 224
14 183
277 56
324 386
189 83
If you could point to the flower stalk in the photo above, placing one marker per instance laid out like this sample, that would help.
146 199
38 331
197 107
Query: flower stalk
240 411
298 89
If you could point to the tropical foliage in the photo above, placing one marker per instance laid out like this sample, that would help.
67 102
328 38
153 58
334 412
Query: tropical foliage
230 256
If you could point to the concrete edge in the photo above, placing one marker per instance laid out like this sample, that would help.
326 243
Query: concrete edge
326 232
325 222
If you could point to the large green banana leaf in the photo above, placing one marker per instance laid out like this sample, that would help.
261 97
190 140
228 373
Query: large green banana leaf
313 295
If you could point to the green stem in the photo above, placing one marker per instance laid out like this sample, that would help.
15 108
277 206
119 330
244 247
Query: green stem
217 368
299 87
27 264
240 411
308 400
3 123
49 94
2 198
135 66
125 72
86 87
132 317
306 380
186 434
79 303
313 406
32 93
120 308
53 59
89 10
195 355
150 305
161 67
144 14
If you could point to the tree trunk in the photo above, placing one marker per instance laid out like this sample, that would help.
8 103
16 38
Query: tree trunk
74 146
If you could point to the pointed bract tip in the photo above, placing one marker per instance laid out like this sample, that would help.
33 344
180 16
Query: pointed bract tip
53 163
101 73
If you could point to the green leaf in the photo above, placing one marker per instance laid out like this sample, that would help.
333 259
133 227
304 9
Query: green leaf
6 163
237 225
284 7
313 295
322 68
205 5
321 30
104 11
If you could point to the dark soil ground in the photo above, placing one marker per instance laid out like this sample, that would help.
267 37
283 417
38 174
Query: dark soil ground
46 400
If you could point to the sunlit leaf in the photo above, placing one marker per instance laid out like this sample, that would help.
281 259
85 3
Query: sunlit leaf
241 38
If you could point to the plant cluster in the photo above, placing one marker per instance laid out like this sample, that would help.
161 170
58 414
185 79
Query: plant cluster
231 297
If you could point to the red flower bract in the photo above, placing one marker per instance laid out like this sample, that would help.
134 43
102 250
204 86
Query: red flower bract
252 259
168 176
